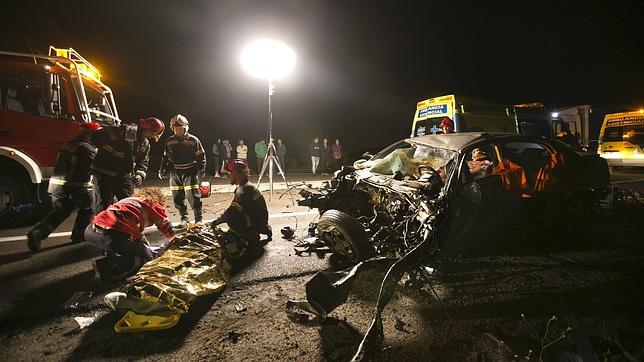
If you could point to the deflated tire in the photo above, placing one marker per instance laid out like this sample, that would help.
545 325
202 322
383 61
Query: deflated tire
344 235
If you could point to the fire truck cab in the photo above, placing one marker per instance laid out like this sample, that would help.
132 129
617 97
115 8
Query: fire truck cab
43 101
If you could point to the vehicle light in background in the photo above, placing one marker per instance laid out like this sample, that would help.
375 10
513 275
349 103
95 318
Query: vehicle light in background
555 114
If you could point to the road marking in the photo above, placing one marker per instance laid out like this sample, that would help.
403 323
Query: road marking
153 228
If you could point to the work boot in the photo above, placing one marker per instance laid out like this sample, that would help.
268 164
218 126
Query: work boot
269 233
34 240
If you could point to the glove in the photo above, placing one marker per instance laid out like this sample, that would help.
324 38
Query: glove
137 180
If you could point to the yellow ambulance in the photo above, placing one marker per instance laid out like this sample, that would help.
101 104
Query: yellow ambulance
621 139
467 114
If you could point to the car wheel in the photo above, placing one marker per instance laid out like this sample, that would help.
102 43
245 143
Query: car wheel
16 201
344 235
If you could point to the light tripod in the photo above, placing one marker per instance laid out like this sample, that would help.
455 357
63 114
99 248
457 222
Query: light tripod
270 159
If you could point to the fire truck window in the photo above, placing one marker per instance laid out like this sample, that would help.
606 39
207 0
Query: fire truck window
25 93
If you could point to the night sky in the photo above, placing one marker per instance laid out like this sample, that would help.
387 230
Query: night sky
361 66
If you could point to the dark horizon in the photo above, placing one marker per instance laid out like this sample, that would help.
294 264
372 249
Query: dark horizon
360 67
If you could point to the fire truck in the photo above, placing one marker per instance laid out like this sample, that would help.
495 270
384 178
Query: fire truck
43 101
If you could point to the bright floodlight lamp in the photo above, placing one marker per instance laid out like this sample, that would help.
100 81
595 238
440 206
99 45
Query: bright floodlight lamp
269 60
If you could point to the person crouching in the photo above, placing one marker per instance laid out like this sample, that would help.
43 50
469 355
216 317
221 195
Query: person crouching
119 232
247 215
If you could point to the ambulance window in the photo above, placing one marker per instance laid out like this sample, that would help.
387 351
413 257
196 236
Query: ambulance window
25 93
613 134
634 135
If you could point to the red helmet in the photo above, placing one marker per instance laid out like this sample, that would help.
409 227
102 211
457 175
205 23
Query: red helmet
89 127
154 125
238 170
446 122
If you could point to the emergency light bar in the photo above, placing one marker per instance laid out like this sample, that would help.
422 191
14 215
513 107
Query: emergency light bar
83 66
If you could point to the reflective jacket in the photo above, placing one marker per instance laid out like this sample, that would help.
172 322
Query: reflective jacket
250 205
120 151
132 215
72 165
183 153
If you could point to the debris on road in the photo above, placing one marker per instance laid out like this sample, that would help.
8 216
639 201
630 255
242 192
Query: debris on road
239 307
84 322
287 232
76 300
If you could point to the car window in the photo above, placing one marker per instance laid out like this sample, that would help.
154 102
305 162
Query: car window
526 158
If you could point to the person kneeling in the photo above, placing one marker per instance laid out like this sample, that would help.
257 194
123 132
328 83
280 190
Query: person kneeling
119 232
247 215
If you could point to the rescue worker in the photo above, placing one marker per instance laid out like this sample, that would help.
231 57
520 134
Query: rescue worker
185 160
118 231
69 188
122 159
447 125
247 215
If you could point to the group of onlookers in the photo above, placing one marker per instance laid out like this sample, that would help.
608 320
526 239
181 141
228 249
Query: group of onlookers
223 151
325 157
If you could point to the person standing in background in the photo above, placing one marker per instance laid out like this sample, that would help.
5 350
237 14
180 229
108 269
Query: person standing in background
336 150
314 151
260 153
216 156
280 149
325 156
242 151
226 155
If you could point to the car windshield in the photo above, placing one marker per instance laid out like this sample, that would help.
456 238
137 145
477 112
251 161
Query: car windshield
408 159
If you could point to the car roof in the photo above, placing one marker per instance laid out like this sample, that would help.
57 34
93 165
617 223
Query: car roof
458 141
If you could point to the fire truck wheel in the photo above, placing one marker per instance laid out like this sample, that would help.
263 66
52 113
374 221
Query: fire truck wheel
345 236
16 202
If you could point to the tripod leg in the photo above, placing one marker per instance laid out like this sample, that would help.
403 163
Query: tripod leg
288 188
261 173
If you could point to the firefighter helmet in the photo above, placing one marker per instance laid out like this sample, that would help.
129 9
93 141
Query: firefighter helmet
446 122
152 124
89 127
238 170
178 121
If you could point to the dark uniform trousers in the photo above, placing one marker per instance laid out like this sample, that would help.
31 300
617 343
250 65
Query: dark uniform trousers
185 184
64 200
107 187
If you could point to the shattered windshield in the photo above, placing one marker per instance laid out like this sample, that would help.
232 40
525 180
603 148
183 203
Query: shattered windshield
407 158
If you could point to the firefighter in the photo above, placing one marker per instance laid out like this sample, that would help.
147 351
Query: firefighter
447 125
247 216
69 188
122 159
118 231
184 160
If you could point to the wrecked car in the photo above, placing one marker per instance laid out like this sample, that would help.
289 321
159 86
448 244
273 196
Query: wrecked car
385 205
442 194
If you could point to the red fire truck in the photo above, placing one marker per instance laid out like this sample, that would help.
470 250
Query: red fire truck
43 101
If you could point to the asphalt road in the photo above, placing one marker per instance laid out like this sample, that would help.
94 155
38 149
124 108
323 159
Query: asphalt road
36 286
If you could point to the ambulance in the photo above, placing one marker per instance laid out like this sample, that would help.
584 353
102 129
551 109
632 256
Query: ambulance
621 139
468 115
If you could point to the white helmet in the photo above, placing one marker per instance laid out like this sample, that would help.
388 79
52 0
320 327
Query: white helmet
179 121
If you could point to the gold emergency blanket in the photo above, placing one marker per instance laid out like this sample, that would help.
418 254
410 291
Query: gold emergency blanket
194 264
